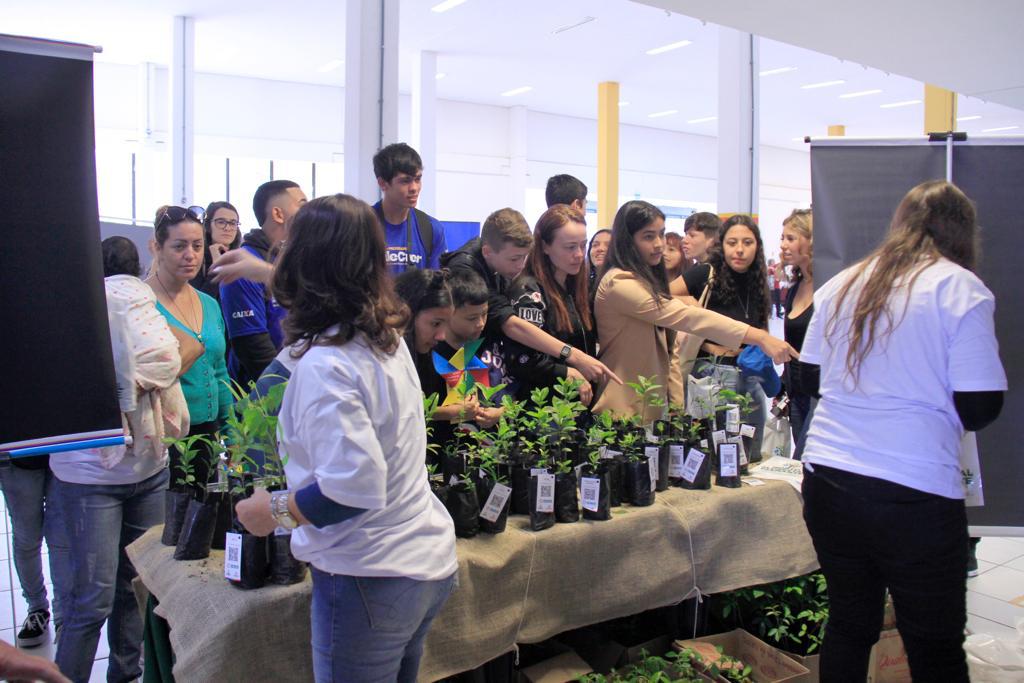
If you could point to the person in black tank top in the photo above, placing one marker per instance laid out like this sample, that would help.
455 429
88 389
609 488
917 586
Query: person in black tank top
800 379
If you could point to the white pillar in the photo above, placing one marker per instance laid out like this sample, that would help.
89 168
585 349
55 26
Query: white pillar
738 126
182 134
424 124
517 128
371 90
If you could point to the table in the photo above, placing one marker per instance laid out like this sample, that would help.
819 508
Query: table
516 587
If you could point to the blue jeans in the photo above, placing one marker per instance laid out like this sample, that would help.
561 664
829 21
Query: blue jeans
102 520
801 410
370 630
870 535
29 496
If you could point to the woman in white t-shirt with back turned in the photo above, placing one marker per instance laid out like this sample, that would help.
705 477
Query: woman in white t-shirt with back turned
381 544
909 360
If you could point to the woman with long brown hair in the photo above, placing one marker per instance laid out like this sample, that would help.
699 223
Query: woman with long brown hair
381 544
552 293
906 344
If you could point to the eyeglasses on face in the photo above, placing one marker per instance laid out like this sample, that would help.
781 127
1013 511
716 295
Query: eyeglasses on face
176 214
225 223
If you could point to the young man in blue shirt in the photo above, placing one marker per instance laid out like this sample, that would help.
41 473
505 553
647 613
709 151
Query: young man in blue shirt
251 314
414 239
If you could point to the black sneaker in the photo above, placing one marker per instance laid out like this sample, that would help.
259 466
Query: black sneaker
972 557
33 630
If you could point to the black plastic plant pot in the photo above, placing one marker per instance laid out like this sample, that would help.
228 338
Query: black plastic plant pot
638 483
482 485
197 531
452 466
175 505
702 480
663 466
567 506
284 568
728 481
464 508
224 518
519 501
576 447
604 508
255 561
498 525
617 492
539 521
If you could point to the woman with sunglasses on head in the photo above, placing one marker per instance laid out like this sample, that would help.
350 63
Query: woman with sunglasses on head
909 359
178 251
223 233
739 290
638 318
381 545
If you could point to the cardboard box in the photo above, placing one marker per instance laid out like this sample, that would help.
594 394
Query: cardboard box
567 666
655 646
888 662
768 664
813 665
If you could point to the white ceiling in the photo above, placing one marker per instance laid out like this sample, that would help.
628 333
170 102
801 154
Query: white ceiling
486 47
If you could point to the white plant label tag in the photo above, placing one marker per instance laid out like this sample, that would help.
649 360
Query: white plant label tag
676 460
495 502
590 493
694 460
747 431
729 465
609 453
233 556
742 452
703 443
732 419
652 466
603 453
454 480
718 437
545 492
753 482
537 471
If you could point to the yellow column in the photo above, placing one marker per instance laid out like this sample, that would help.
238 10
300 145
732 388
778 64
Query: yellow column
607 152
939 109
836 131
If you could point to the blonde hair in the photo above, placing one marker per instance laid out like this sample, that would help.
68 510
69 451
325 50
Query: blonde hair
801 221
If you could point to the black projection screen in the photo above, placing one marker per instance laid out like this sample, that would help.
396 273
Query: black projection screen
855 187
58 379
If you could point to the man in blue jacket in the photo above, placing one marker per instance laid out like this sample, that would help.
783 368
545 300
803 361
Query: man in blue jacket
414 239
251 314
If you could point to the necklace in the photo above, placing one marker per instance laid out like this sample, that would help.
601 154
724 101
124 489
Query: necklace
746 306
193 327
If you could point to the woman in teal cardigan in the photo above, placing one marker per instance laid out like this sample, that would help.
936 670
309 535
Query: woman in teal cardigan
194 317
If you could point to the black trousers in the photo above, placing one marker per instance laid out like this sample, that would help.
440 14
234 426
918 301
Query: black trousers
871 535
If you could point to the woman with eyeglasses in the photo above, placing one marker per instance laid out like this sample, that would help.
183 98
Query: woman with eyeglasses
178 249
223 233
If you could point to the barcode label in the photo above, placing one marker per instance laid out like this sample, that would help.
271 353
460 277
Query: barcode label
545 492
495 502
732 419
742 452
694 459
747 431
718 437
729 460
590 492
233 556
652 466
703 443
676 460
536 471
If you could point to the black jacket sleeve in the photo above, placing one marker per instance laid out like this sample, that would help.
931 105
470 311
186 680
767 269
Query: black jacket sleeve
531 367
255 352
977 409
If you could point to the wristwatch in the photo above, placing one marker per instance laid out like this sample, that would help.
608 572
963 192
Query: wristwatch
279 510
564 354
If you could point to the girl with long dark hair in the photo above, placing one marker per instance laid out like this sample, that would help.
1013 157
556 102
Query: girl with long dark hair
381 544
638 318
738 278
905 339
551 293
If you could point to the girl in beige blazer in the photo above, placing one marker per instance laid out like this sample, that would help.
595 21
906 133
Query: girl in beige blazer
637 318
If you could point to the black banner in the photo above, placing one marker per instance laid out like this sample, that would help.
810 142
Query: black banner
58 376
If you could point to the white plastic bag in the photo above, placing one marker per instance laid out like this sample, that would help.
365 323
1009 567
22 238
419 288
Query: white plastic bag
700 396
970 471
776 441
996 660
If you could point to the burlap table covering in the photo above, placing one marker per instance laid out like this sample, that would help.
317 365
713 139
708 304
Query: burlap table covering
519 586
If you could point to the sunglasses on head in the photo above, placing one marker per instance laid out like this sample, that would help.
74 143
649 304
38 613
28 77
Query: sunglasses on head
176 214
